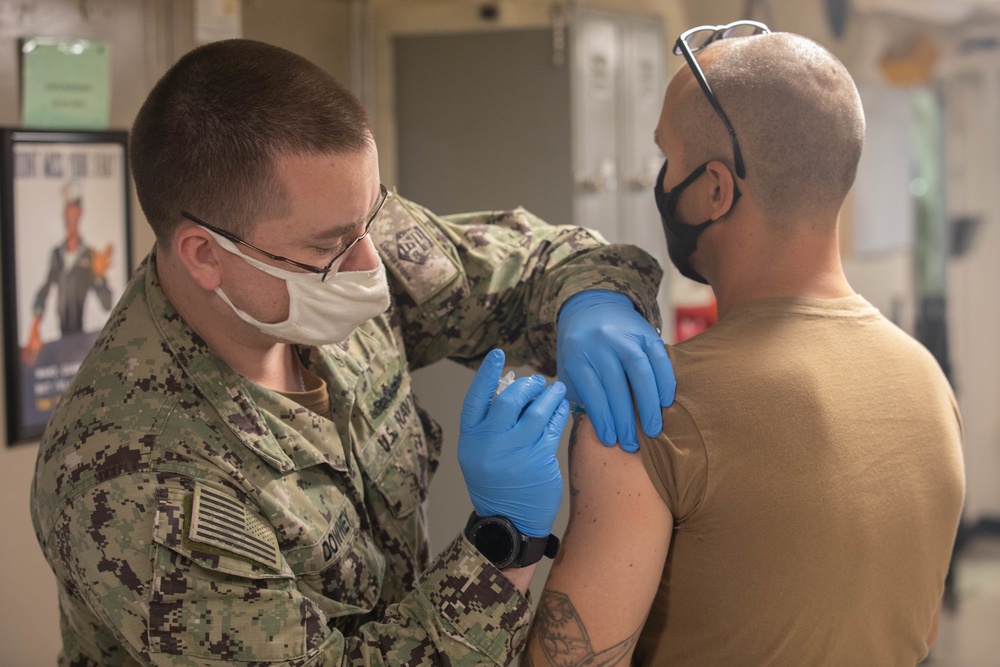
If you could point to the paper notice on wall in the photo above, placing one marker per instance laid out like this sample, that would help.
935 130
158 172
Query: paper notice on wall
66 83
217 19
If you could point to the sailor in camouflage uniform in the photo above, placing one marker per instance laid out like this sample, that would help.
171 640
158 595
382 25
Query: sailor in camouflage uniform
197 509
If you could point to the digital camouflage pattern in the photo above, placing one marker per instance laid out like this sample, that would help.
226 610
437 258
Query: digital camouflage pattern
192 517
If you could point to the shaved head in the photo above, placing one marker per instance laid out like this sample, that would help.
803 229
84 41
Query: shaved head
797 116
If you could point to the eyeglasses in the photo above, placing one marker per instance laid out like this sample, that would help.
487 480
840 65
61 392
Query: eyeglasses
330 268
698 38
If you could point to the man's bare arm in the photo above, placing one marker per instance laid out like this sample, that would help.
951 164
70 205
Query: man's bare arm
563 638
609 567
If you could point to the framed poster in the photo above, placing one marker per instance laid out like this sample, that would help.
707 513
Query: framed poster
64 218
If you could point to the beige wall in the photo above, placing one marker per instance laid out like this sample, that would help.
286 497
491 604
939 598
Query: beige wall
316 29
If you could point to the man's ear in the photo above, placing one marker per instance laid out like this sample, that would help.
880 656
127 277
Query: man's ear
723 188
200 256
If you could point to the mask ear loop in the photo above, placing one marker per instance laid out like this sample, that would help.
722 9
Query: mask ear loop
277 272
680 187
672 196
670 201
737 193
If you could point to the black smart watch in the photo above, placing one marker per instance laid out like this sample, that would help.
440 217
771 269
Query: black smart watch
499 540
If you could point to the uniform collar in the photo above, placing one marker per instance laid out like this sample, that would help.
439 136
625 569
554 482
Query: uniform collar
234 397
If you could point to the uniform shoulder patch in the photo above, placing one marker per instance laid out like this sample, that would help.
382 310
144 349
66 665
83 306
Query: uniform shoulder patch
222 521
406 241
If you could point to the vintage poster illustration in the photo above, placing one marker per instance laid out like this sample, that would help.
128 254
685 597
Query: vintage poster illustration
68 264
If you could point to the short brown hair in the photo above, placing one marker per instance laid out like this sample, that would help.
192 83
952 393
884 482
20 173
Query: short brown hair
796 113
207 137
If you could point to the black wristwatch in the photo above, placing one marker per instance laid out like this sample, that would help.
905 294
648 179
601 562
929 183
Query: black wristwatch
497 538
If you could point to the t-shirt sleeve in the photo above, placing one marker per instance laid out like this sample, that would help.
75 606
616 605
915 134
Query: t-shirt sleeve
677 462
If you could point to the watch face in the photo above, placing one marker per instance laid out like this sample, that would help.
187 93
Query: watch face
495 541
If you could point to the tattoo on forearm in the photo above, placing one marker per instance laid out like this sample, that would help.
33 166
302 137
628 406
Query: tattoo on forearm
563 638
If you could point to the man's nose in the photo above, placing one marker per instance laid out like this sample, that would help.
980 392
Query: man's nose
362 257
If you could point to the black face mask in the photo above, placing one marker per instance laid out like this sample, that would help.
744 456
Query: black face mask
682 240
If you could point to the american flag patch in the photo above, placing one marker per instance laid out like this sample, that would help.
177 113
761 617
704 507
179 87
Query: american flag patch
224 522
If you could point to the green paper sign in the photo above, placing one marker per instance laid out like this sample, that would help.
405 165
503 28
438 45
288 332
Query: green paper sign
65 83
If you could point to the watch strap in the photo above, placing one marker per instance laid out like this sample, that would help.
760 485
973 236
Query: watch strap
533 548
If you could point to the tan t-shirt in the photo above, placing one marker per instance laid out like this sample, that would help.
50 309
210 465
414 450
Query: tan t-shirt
813 465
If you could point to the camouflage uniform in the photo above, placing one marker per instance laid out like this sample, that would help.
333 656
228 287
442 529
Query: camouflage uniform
193 517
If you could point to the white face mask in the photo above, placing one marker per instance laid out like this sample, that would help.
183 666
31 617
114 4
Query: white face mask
319 313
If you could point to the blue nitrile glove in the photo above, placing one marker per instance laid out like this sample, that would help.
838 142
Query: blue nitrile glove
603 346
507 447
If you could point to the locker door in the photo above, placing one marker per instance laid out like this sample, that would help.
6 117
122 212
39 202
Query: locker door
596 65
644 83
483 123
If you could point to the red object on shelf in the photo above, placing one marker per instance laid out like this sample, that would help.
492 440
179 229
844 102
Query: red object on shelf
692 320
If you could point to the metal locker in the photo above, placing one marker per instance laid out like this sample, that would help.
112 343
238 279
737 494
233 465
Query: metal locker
644 83
596 64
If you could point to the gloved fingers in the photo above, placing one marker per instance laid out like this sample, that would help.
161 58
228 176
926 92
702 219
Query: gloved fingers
595 402
508 406
537 416
480 394
619 400
663 369
554 429
642 378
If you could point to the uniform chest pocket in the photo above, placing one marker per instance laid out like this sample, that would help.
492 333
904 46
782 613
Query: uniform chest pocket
393 448
343 571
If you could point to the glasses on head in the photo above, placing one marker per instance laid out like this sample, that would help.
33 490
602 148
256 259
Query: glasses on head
332 265
698 38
